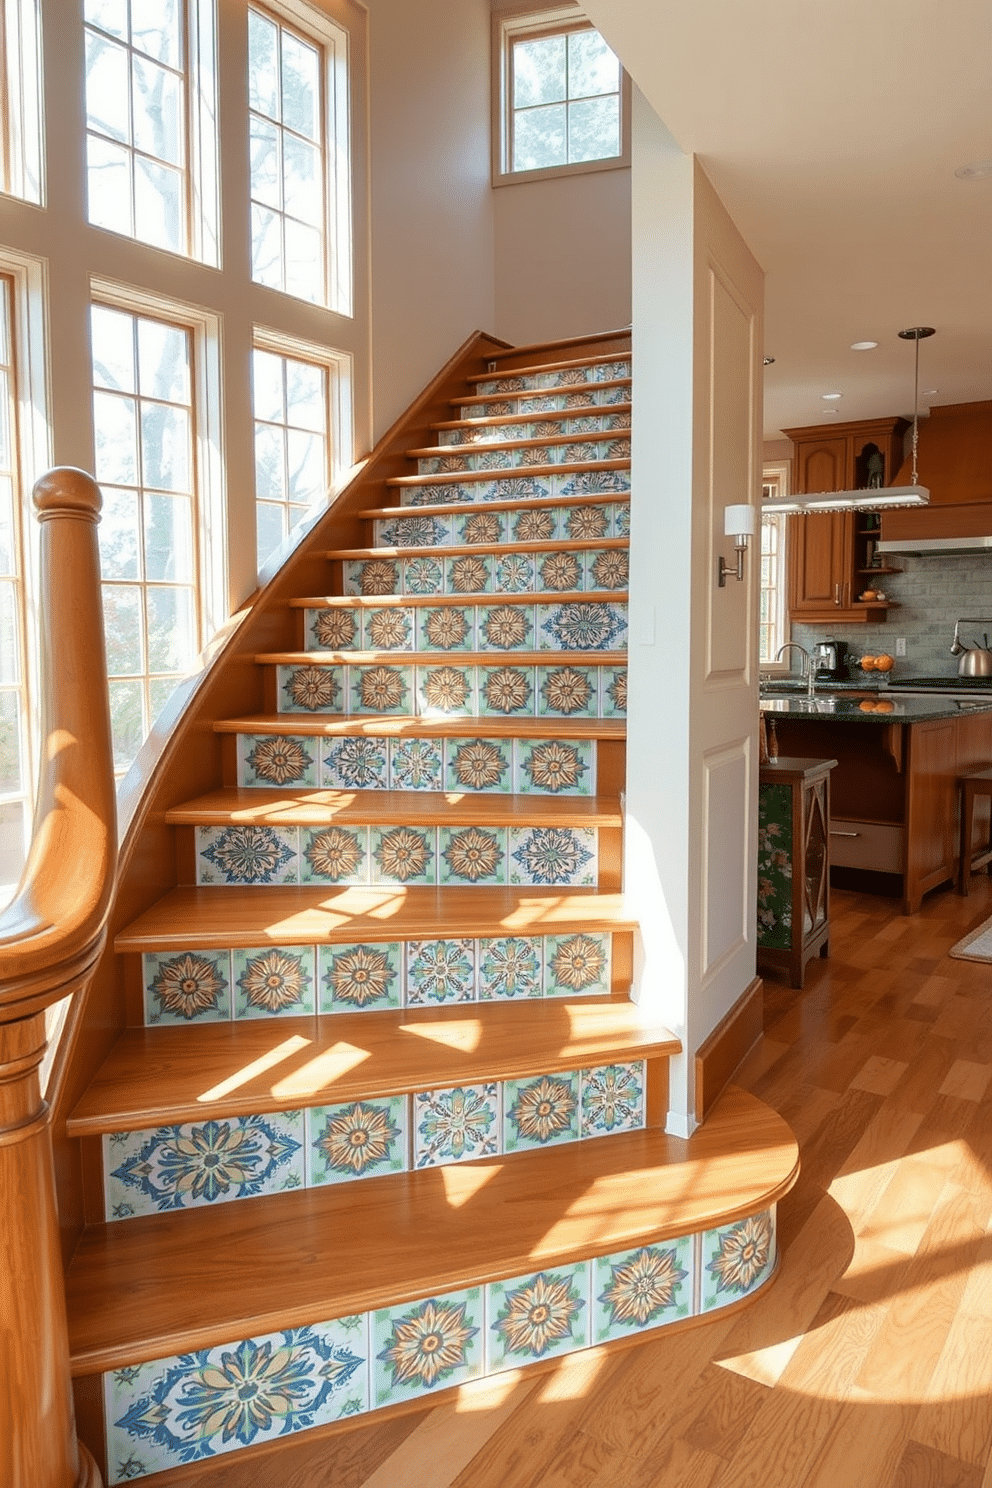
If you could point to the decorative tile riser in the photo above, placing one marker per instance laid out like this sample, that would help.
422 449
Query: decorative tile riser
198 1164
512 382
615 448
546 402
541 767
193 1406
464 856
569 572
593 691
221 986
572 625
589 423
544 524
517 488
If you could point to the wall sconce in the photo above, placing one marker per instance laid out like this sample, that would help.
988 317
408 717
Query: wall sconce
738 523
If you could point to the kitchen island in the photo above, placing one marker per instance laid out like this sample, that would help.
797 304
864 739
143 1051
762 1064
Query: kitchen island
894 793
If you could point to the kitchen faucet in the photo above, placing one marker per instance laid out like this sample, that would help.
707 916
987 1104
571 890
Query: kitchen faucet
810 675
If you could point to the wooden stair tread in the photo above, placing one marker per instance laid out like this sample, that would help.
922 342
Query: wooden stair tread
163 1076
513 472
434 601
461 550
587 338
460 659
146 1288
463 508
508 419
585 436
366 725
292 806
288 914
558 365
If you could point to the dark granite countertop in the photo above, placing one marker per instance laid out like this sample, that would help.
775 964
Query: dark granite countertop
886 705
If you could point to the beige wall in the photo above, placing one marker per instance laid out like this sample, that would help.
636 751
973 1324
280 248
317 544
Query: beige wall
563 256
431 200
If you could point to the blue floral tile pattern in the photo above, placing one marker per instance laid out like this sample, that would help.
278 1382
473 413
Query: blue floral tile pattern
388 629
471 855
414 532
439 971
427 1345
446 691
568 692
191 986
455 1125
608 568
641 1288
359 1139
447 628
555 767
355 977
246 855
271 759
582 626
540 1112
354 764
380 689
577 965
274 980
423 576
194 1164
505 691
736 1259
612 1099
416 764
334 855
553 855
198 1405
613 685
507 627
537 1317
509 967
478 765
514 573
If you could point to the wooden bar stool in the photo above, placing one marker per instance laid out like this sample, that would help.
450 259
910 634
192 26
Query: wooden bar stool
976 783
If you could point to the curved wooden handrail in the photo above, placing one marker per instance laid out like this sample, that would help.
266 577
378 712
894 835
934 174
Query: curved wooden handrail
52 934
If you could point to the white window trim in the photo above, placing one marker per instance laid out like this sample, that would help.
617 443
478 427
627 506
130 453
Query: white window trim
333 39
22 84
777 474
508 23
211 535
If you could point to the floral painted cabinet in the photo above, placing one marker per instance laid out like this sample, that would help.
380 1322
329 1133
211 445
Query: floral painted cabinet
793 865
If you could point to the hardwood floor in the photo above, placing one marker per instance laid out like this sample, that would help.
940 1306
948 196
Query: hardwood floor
868 1364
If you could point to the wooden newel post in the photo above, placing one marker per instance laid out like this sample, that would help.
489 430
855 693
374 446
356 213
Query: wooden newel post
50 939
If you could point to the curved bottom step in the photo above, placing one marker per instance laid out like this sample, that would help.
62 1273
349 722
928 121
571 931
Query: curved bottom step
226 1333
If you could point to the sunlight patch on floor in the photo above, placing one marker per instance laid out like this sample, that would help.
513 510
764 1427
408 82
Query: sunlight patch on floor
257 1067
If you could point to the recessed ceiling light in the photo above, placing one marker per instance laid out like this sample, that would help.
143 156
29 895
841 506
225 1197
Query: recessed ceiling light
831 397
863 345
929 392
977 171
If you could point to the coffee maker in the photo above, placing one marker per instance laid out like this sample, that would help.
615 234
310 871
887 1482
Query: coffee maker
830 660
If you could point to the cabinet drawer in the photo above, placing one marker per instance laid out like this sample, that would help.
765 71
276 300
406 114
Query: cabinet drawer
874 845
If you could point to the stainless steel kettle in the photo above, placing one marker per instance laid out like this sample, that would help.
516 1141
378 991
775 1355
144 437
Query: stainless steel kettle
973 661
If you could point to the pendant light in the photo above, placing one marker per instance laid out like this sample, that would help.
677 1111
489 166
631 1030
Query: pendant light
877 498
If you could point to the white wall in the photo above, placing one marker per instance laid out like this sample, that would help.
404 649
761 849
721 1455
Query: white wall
563 256
431 200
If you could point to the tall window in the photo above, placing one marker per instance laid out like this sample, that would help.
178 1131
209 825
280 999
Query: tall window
20 100
292 454
562 93
149 79
288 213
773 614
15 772
143 423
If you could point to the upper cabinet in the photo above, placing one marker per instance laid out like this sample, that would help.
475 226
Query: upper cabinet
830 552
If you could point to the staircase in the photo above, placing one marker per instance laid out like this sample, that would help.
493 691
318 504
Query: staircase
382 1117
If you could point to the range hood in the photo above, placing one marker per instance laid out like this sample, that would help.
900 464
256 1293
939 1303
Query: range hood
955 464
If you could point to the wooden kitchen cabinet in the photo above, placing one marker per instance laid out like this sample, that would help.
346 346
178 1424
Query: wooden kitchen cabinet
828 550
793 878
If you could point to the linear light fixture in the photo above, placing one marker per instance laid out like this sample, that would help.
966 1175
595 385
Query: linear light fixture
875 498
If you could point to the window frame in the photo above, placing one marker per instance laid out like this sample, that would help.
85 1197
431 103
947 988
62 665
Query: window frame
523 24
337 367
22 141
775 485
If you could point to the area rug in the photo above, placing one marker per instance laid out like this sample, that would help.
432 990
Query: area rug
975 947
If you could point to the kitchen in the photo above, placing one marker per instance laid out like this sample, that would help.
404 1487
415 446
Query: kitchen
900 735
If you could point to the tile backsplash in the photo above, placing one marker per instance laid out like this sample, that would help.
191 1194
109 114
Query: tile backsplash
931 592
